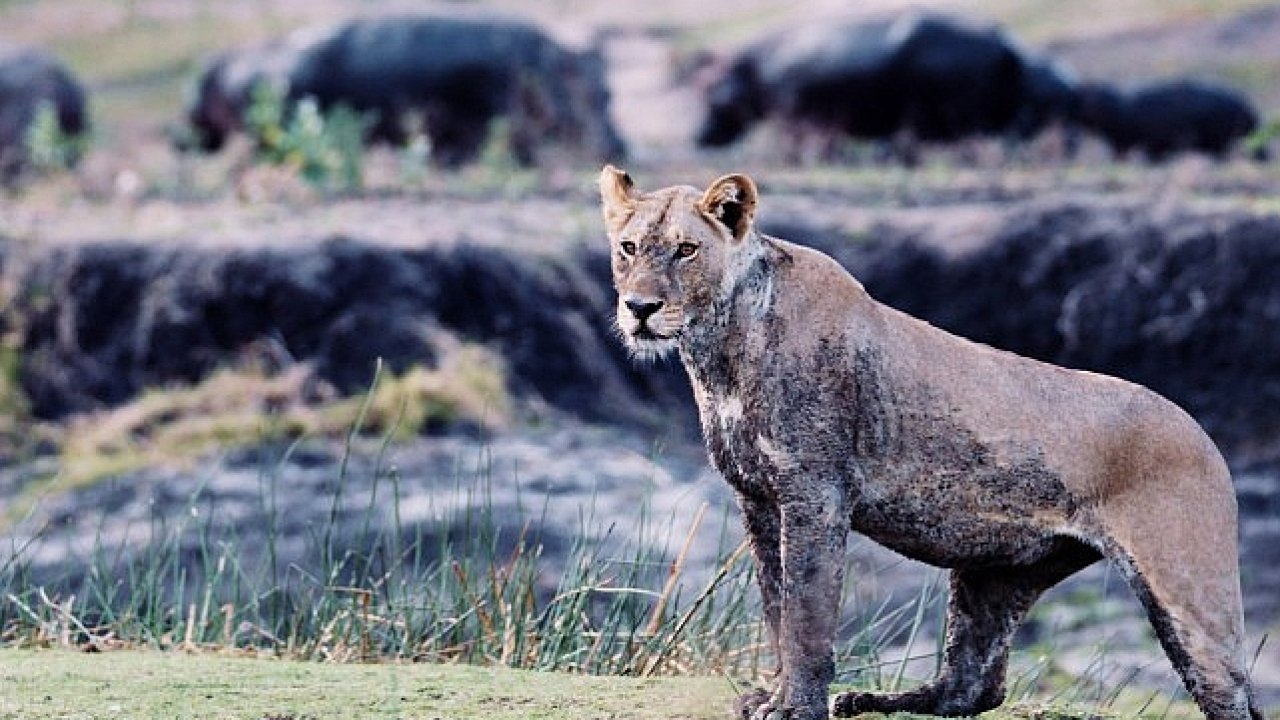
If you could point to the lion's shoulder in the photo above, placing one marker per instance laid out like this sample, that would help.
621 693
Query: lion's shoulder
812 290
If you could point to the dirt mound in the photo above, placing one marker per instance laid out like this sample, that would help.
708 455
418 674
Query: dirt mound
1183 303
98 323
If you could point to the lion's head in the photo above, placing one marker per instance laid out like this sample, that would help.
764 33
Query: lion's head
675 253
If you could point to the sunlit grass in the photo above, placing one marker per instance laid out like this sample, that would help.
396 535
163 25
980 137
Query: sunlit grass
235 408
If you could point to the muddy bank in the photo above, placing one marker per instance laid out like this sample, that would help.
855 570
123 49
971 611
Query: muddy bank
1180 301
99 323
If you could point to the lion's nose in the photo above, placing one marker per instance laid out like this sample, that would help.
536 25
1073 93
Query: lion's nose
642 308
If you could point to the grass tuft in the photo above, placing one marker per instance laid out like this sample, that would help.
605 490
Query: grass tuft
235 408
457 591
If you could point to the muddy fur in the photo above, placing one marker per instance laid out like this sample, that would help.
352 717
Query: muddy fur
828 412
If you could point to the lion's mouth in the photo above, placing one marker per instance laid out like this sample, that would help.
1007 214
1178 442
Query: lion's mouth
644 333
647 344
649 337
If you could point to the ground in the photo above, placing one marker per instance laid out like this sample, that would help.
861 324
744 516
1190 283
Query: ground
44 685
49 684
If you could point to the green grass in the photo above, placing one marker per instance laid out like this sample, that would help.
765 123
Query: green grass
140 685
143 685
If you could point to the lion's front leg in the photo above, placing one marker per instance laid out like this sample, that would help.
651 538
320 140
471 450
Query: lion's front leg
763 522
814 527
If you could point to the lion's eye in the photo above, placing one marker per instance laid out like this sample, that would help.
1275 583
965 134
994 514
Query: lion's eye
628 247
686 250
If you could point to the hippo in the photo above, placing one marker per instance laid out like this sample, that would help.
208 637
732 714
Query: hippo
1166 117
29 79
1050 95
927 75
446 76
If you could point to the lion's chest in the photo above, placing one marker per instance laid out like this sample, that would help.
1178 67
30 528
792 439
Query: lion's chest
742 446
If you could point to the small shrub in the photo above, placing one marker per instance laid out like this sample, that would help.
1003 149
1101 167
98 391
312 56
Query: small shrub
13 402
1258 142
49 148
413 159
20 434
497 155
325 148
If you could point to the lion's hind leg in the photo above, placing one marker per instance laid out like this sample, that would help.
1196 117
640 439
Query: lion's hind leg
1166 517
985 608
1195 607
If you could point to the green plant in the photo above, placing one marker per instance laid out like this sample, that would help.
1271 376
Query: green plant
49 147
496 154
325 148
13 402
413 159
20 433
1258 142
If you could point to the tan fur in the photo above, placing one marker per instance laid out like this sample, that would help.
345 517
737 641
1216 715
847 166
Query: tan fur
828 412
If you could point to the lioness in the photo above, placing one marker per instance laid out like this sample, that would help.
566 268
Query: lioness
827 411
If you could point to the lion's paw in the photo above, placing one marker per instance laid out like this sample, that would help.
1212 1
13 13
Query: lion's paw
754 705
850 704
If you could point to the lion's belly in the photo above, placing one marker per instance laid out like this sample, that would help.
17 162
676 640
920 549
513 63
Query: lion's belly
952 517
955 540
947 499
997 515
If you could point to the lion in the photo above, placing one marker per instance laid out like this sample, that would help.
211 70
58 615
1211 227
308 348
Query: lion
827 411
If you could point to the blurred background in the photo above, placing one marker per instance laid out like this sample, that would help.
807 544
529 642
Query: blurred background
140 62
312 284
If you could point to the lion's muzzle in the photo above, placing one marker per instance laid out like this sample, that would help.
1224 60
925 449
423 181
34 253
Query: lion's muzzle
642 309
648 324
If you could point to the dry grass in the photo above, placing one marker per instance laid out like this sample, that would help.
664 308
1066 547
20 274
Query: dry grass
235 408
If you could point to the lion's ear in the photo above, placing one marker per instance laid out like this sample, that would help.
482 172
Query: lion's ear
617 197
732 201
